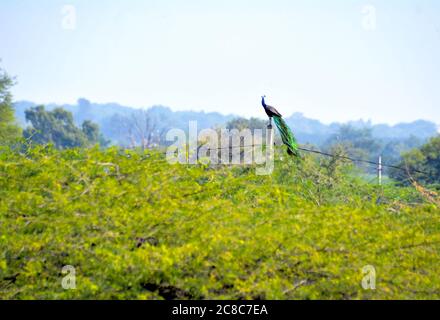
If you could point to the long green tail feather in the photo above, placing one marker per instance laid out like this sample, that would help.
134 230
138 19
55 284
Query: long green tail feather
287 136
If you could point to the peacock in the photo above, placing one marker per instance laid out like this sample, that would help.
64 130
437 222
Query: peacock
286 134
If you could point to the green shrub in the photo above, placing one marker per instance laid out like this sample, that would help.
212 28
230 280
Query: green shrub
136 227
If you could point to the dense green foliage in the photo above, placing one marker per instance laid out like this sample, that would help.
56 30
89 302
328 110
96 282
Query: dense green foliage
57 127
9 130
425 159
136 227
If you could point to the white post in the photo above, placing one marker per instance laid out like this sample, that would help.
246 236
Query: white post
379 170
268 169
270 139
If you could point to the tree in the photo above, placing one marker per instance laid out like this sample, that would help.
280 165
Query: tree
91 130
140 128
394 148
251 124
57 127
9 130
425 159
243 123
356 142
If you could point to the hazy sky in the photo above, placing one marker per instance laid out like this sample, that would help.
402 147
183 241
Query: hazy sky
331 60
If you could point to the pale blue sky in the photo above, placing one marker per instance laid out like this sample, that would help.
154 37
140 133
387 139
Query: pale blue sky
310 56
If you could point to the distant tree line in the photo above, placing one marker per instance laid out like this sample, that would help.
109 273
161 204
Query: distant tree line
145 129
360 143
56 127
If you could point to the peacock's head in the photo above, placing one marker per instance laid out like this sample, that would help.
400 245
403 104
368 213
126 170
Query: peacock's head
262 101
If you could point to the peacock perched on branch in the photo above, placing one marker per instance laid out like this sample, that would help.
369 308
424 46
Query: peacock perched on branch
286 134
